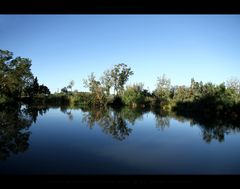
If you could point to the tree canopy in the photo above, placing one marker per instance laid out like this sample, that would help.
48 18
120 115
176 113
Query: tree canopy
15 74
120 75
16 78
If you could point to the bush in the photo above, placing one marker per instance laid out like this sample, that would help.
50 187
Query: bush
133 95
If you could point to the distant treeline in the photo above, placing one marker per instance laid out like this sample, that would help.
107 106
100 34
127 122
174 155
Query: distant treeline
17 83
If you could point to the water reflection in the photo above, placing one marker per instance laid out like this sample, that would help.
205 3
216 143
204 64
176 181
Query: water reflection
34 111
14 128
15 123
218 131
112 122
162 119
212 128
68 112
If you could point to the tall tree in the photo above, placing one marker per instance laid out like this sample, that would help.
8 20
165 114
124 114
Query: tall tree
163 87
5 56
120 75
107 81
97 91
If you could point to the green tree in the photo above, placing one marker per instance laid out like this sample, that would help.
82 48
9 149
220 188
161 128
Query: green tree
107 81
44 90
194 90
120 75
163 89
181 93
134 95
233 85
34 89
97 91
15 74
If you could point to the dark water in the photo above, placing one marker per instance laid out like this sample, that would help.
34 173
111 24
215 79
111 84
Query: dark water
107 141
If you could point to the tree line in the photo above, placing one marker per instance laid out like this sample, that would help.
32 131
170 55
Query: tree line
17 83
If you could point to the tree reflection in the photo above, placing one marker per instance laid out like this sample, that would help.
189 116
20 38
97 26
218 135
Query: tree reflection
34 111
14 129
115 125
217 130
112 121
133 114
162 119
67 111
213 128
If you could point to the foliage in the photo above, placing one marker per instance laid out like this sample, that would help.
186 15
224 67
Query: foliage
162 91
34 89
15 75
120 75
17 80
209 99
43 90
17 83
233 85
100 90
98 96
107 81
134 95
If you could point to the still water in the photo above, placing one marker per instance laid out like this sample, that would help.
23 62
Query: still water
107 141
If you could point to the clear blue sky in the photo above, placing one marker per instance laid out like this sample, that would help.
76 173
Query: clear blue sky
70 47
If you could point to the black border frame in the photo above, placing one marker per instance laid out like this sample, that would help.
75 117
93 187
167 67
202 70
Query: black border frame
119 7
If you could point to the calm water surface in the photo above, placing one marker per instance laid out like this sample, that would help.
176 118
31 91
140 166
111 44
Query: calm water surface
67 141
